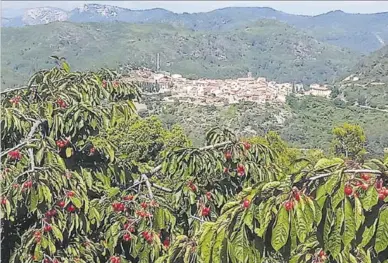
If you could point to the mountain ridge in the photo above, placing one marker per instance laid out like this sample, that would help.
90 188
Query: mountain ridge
360 32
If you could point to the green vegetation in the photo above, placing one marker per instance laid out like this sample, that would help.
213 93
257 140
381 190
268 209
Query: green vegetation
266 48
75 188
368 83
305 122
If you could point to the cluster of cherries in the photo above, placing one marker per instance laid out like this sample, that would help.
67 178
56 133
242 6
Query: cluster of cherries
289 204
70 208
47 260
15 155
61 103
148 236
205 211
114 259
118 207
62 143
15 100
364 185
128 227
27 184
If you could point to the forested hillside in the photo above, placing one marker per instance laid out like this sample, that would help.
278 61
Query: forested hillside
367 86
84 179
266 48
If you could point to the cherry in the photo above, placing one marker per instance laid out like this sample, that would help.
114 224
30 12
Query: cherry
15 155
15 186
61 203
104 83
92 151
247 145
4 201
15 100
144 205
70 194
240 170
289 205
205 211
379 184
193 187
348 190
297 196
226 170
384 191
209 195
27 184
166 242
365 177
127 237
115 84
246 203
128 198
71 208
114 259
364 186
46 260
382 196
47 228
228 155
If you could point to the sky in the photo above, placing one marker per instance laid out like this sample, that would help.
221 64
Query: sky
293 7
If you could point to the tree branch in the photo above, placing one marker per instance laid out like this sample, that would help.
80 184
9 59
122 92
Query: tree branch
145 177
346 171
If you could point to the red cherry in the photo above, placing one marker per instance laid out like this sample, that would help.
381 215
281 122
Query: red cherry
15 186
15 155
366 177
246 203
166 242
322 253
127 237
384 191
37 234
247 146
47 228
209 195
4 201
289 205
71 208
205 211
228 155
382 196
193 188
379 184
104 83
27 184
348 190
128 198
46 260
61 203
240 170
359 183
297 196
364 186
70 194
144 205
226 170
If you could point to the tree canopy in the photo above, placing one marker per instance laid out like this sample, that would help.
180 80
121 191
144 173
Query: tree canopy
84 179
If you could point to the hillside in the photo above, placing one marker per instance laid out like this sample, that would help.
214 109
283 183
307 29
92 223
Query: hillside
367 86
266 48
305 122
359 32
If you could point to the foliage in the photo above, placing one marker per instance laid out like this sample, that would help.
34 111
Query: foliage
74 190
267 48
349 141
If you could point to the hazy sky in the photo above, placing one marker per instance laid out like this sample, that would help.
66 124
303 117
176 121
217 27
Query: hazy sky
294 7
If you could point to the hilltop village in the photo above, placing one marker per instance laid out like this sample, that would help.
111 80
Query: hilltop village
220 91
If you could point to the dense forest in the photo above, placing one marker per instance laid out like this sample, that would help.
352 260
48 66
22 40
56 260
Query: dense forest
85 179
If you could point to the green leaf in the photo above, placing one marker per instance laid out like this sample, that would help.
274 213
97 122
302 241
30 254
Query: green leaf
350 224
205 242
69 152
382 231
358 213
370 199
34 200
57 232
76 201
301 224
334 242
368 234
218 245
281 230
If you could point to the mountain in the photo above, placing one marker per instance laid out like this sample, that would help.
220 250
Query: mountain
360 32
367 85
266 48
